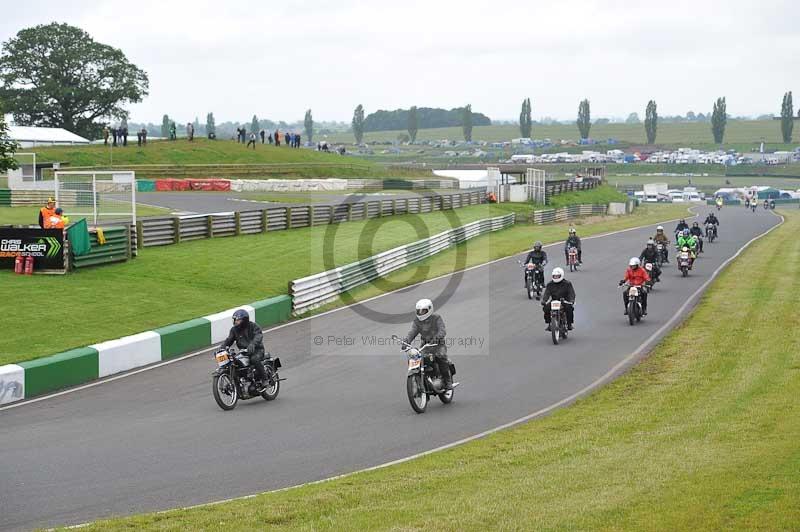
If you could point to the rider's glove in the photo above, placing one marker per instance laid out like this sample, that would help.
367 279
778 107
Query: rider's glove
251 349
621 283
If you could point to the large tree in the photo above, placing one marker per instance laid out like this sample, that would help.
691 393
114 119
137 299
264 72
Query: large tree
413 123
651 121
211 125
308 122
466 122
7 146
787 117
719 118
525 121
584 119
358 123
56 75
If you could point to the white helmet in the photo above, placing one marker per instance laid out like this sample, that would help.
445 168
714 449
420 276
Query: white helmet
651 242
634 262
424 309
558 275
660 228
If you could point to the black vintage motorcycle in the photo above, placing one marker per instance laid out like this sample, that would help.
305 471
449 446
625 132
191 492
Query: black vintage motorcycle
635 309
558 319
424 379
235 378
533 284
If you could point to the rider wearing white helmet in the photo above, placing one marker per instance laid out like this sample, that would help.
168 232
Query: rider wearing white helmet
559 289
430 327
635 276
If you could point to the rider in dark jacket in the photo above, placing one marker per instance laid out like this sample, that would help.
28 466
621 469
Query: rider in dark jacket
712 219
430 327
650 254
697 231
681 226
539 257
573 240
248 337
559 288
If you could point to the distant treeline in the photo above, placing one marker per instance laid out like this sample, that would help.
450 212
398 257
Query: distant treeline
426 117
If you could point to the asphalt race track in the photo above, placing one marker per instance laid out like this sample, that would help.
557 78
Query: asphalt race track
156 439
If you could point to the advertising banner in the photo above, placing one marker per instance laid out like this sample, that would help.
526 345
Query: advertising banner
46 246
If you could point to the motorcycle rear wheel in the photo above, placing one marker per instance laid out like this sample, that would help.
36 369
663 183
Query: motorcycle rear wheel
225 393
416 393
273 386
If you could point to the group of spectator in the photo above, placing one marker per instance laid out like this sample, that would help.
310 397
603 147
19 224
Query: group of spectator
119 136
292 140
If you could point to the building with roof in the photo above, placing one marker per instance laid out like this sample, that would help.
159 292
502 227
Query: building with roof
30 136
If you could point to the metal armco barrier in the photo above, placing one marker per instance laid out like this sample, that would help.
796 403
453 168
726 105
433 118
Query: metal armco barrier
316 290
553 188
550 216
163 231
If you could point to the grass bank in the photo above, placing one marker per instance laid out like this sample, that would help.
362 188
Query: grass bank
701 435
202 158
176 283
601 195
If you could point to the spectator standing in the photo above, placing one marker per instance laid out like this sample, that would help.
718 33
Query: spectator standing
173 131
106 133
114 133
263 135
277 138
124 136
270 139
297 140
47 211
144 136
190 131
252 141
139 138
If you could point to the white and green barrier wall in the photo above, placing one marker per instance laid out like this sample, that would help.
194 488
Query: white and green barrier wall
78 366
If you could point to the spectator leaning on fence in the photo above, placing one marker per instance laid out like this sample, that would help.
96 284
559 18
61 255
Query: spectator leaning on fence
56 221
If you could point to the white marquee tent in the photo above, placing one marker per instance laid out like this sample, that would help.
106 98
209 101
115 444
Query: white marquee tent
30 137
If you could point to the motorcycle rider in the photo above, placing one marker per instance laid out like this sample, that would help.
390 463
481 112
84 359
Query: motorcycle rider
635 276
430 327
650 254
719 202
681 226
712 219
573 240
559 288
247 336
697 232
662 239
688 241
538 257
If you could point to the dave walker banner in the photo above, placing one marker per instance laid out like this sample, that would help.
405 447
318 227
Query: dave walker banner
46 246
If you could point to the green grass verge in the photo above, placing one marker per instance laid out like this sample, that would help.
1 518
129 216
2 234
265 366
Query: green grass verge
176 283
30 215
600 195
701 435
710 183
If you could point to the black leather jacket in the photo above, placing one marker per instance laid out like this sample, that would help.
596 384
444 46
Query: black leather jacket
245 337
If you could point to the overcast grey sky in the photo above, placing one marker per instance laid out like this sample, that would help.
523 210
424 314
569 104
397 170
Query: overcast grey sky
277 59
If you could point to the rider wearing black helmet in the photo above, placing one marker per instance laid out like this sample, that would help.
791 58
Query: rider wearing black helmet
697 232
681 226
539 257
247 336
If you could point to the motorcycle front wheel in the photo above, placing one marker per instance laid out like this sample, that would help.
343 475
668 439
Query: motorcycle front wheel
555 329
273 386
416 393
529 287
685 271
631 312
225 393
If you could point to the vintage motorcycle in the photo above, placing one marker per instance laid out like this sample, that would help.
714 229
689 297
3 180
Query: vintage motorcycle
423 379
635 309
533 285
235 378
558 319
685 261
711 232
572 258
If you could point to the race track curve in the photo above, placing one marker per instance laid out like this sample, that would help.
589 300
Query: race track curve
156 439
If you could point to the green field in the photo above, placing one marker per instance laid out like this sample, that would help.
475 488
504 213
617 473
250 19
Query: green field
745 133
701 435
707 183
151 290
601 195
